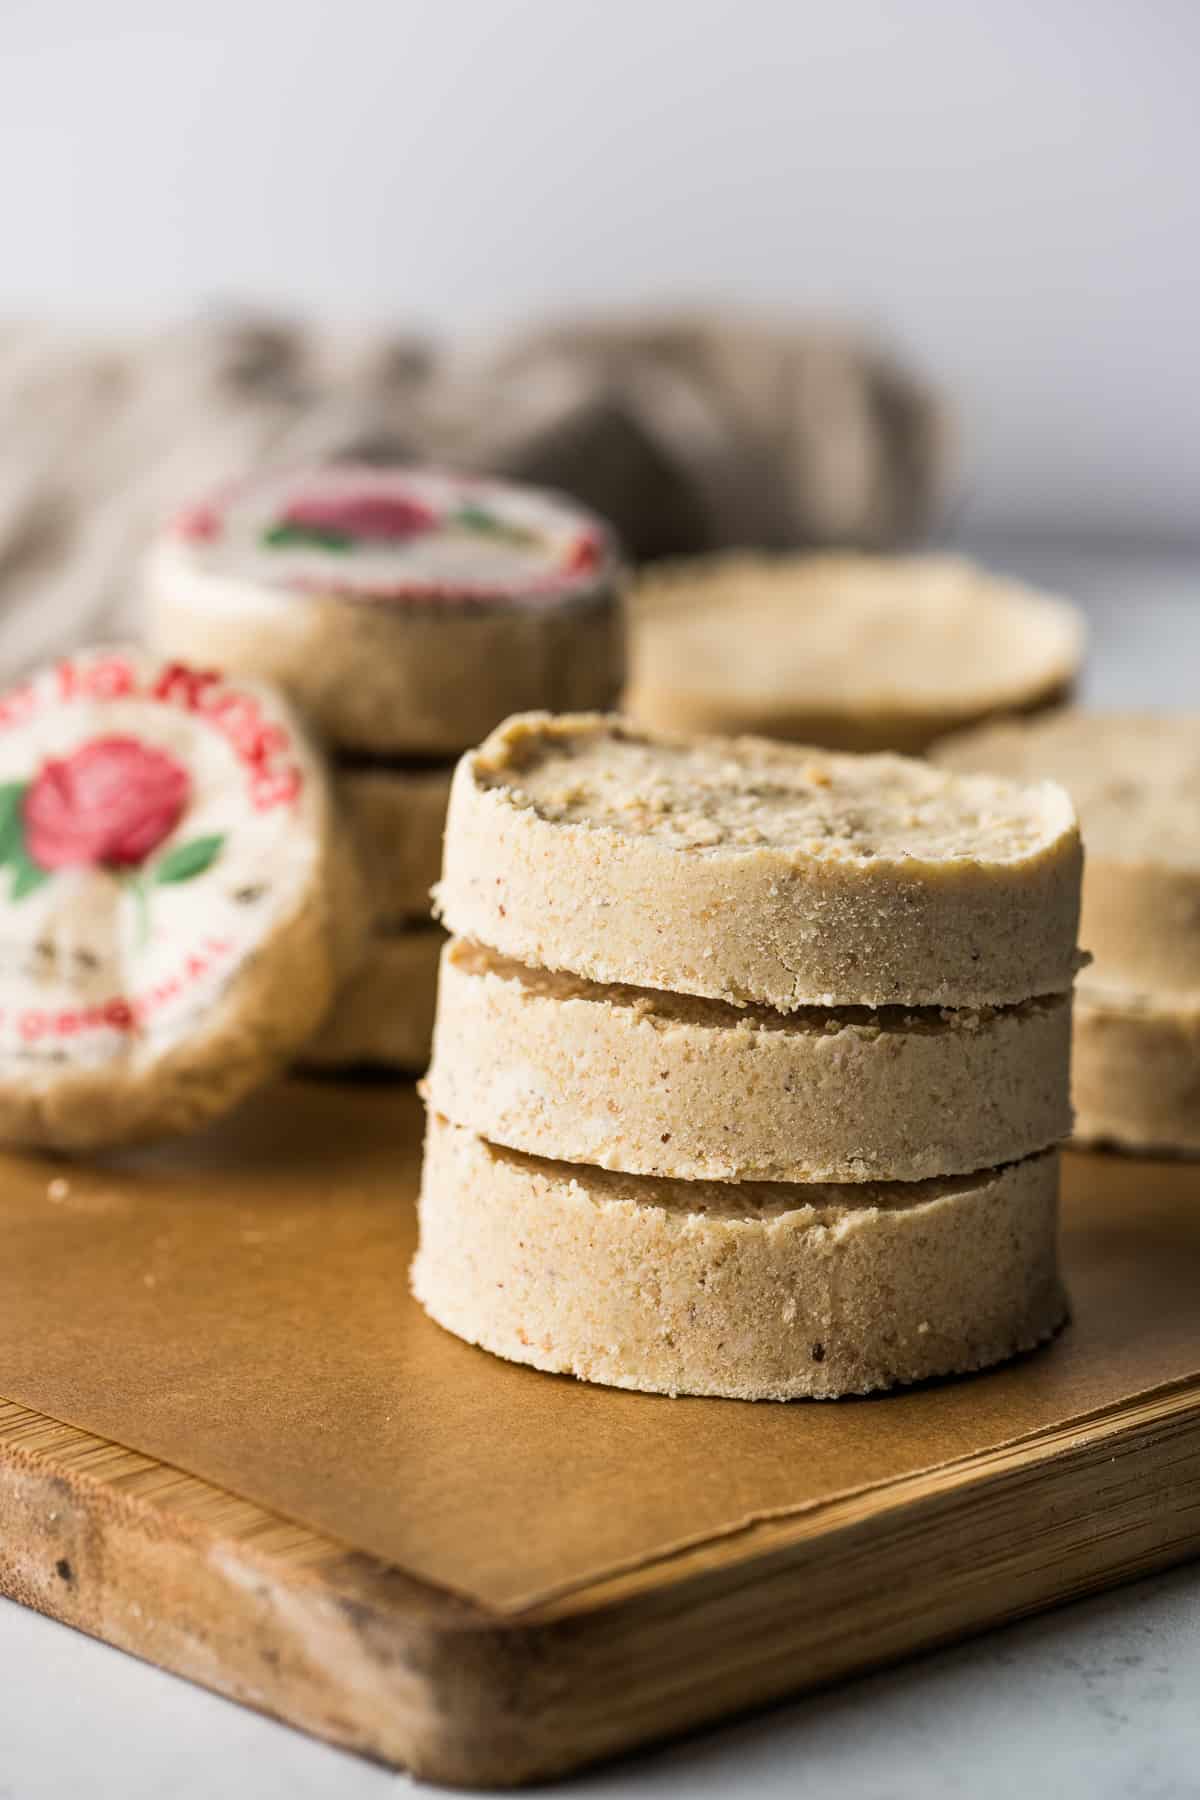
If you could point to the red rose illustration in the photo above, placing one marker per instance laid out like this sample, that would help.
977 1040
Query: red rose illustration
112 801
382 518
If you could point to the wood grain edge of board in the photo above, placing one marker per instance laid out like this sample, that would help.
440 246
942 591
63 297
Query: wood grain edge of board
296 1626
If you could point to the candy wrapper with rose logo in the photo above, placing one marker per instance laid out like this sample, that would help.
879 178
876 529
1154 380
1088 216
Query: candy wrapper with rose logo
174 919
689 432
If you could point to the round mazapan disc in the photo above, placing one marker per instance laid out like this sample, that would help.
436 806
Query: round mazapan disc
668 1084
1135 1070
750 1291
174 912
406 610
755 872
851 651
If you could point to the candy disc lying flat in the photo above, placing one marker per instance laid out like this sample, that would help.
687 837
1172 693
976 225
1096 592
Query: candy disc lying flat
852 652
169 934
750 1290
667 1084
407 610
1135 1070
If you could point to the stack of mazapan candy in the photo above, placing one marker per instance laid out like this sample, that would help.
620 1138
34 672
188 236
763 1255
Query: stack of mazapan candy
750 1062
405 611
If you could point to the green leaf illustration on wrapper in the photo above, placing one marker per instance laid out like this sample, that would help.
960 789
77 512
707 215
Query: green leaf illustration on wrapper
181 864
486 524
187 860
12 831
27 876
308 537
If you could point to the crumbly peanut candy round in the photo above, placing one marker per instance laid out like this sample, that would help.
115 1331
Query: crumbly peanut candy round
667 1084
175 913
1135 780
1135 1071
406 610
395 818
854 652
756 872
752 1291
383 1017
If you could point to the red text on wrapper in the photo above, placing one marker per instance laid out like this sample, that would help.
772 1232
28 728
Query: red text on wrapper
261 745
124 1013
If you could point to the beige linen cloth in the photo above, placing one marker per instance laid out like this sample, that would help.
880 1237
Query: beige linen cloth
690 431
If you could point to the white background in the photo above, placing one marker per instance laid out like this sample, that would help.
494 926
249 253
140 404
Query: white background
1007 188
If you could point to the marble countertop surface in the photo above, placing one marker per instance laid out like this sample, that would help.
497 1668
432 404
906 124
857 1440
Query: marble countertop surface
1095 1701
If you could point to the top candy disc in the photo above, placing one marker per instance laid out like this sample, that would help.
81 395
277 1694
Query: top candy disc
168 928
748 871
407 610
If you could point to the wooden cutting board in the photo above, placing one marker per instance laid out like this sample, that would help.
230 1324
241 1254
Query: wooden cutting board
490 1575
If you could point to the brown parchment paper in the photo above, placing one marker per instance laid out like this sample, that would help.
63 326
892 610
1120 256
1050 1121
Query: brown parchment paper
238 1307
